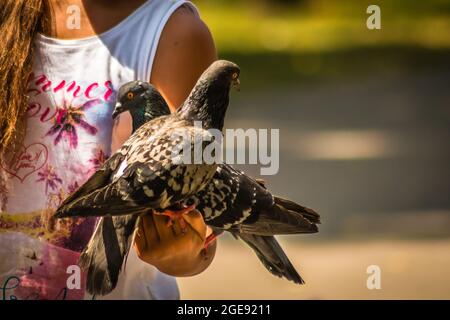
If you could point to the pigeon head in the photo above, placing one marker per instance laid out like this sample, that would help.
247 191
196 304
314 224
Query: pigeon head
142 100
221 75
208 101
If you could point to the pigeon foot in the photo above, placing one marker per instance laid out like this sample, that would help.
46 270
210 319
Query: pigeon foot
177 215
209 240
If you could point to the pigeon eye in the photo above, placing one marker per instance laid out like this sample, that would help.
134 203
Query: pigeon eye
235 75
130 95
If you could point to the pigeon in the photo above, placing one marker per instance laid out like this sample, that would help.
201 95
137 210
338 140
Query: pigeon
142 175
220 212
237 203
146 174
103 257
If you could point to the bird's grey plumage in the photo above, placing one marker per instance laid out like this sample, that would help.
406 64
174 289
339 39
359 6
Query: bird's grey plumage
272 256
235 202
251 197
240 204
104 255
149 170
151 177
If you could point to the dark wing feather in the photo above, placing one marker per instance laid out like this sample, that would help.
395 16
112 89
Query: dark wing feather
99 179
232 198
235 201
308 213
151 179
117 197
104 255
102 177
278 220
271 255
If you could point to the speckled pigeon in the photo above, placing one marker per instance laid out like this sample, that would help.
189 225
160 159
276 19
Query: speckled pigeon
142 174
146 174
237 203
232 201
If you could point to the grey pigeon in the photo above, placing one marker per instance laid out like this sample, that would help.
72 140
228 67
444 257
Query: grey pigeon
145 174
235 202
230 201
104 255
142 175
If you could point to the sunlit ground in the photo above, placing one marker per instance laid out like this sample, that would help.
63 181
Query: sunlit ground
332 270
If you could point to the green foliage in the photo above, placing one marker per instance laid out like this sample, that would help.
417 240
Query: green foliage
302 41
319 25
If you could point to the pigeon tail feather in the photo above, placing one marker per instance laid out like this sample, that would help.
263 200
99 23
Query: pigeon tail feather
278 220
104 255
307 213
272 256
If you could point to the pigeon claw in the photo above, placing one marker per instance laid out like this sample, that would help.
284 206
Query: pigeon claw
209 241
177 215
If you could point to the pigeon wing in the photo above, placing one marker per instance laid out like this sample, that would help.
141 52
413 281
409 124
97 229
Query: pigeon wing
151 179
98 180
232 198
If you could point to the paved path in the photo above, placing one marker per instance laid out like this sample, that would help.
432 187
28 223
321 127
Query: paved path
409 270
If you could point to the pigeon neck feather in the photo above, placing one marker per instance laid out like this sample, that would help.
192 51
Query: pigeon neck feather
153 109
208 103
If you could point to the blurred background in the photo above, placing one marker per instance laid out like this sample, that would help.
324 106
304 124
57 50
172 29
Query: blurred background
364 119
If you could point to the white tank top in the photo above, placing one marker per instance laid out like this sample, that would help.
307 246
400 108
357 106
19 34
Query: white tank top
72 92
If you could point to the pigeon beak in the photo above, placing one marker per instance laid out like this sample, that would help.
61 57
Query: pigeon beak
118 109
236 84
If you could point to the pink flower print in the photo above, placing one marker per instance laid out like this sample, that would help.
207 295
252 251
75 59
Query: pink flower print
98 159
51 179
73 187
68 118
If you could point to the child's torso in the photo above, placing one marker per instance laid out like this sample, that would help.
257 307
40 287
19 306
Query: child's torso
71 95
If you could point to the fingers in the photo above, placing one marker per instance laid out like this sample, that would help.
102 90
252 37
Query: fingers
140 240
195 220
209 253
169 248
165 232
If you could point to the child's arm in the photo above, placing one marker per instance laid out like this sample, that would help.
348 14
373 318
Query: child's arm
185 50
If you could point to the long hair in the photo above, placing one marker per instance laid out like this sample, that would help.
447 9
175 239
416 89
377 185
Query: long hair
20 20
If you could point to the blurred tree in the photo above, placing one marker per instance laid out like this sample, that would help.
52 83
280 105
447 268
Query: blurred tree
288 2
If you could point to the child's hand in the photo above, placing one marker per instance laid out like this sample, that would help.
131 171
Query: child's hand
169 249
